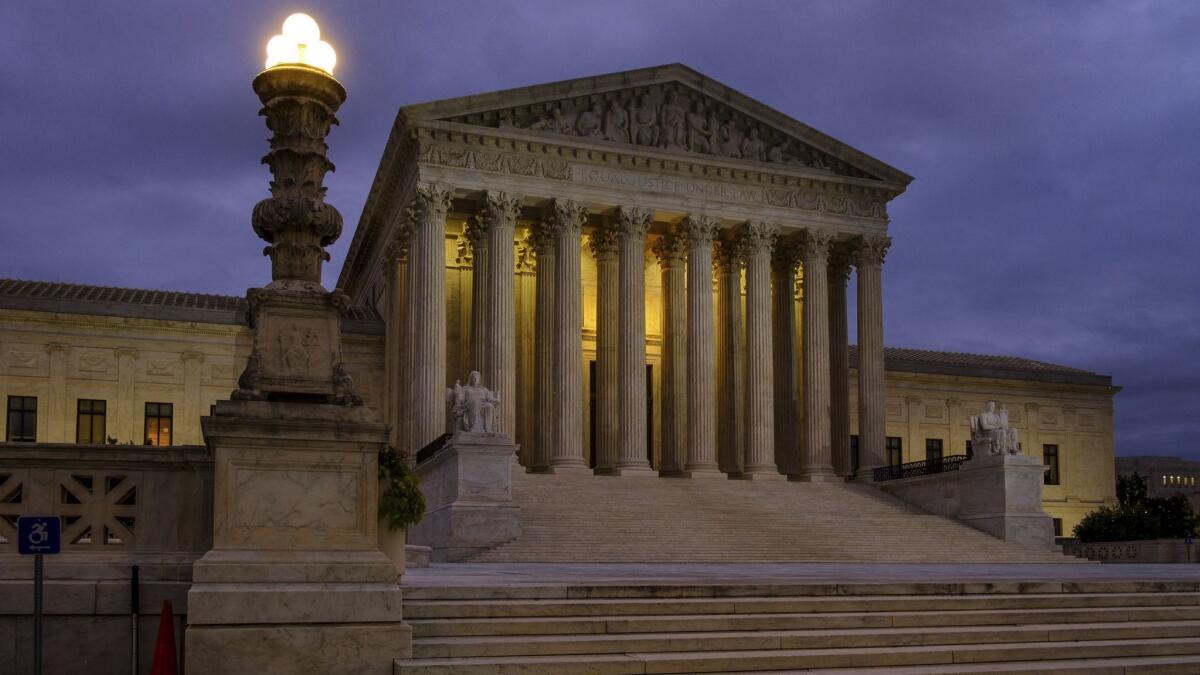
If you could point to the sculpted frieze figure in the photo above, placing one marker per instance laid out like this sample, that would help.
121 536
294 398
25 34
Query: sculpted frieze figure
473 407
672 126
697 129
554 121
616 123
991 434
589 123
643 122
753 147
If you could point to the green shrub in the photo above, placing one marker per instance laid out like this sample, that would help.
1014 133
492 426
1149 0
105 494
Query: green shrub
1155 518
401 502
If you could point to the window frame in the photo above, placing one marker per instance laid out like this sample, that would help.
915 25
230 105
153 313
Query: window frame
21 418
158 416
1053 475
898 448
934 445
91 416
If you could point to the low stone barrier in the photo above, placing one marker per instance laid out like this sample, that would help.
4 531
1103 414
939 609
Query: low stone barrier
122 505
1144 551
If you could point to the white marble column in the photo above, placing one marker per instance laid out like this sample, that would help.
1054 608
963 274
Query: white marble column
758 239
701 350
526 309
671 251
476 233
632 223
567 457
817 458
426 314
839 363
500 212
783 341
868 259
731 385
398 341
541 238
603 243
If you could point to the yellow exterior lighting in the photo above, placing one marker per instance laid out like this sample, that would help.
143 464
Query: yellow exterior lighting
300 43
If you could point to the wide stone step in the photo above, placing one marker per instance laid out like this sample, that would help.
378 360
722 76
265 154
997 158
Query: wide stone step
792 621
547 606
541 645
785 659
1144 665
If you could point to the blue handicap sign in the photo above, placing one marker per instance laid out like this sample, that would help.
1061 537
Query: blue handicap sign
1188 541
39 535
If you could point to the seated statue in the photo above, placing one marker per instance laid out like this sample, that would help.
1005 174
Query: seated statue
473 407
990 432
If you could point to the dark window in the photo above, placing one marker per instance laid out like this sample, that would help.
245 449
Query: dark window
22 419
933 449
895 451
1057 526
89 421
158 423
854 461
1050 457
970 453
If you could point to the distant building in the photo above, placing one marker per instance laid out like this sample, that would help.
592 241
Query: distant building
1165 476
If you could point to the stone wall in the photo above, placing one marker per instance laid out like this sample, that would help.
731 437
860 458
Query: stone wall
122 506
1146 551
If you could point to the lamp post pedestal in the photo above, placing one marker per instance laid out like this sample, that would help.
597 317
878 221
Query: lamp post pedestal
295 581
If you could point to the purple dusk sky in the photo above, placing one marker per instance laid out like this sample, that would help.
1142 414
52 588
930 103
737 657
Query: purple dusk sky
1056 148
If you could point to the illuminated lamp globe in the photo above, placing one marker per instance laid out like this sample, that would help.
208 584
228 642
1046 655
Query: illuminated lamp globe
299 43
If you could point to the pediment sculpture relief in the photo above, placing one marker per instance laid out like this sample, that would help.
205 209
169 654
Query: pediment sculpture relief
670 118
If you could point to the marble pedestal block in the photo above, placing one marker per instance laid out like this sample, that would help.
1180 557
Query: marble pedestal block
295 581
1002 495
468 497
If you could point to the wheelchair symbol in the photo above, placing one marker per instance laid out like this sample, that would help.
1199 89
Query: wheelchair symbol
38 535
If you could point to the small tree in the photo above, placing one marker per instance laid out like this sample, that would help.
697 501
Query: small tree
1131 489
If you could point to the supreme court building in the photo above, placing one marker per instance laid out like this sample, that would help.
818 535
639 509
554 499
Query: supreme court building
650 268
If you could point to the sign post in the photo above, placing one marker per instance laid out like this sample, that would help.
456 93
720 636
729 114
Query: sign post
38 536
1188 542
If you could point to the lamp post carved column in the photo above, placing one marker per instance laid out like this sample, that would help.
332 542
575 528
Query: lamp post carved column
817 460
568 218
758 238
701 350
295 580
500 212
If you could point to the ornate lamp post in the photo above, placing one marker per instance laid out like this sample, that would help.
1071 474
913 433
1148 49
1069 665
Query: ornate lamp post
295 581
296 355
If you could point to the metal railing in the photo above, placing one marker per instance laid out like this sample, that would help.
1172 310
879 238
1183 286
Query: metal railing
924 467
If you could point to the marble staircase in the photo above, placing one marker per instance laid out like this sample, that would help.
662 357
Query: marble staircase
1013 627
574 518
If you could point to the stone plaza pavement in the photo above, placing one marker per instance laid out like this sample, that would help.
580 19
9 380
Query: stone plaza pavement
639 574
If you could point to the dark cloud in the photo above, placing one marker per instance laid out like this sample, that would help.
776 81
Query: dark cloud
1055 147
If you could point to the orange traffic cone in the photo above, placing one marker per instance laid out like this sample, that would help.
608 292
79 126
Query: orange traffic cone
165 662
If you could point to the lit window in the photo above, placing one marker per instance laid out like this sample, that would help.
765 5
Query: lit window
1050 457
90 421
22 419
158 423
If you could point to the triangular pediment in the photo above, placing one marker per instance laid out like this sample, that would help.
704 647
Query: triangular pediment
670 108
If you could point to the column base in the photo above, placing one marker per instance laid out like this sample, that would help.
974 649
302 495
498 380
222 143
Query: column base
297 648
709 472
816 476
761 474
864 476
637 470
569 469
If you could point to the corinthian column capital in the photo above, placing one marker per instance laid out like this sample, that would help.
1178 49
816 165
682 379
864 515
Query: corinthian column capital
699 229
758 236
564 214
671 250
871 249
728 255
815 243
500 208
603 242
432 201
633 221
